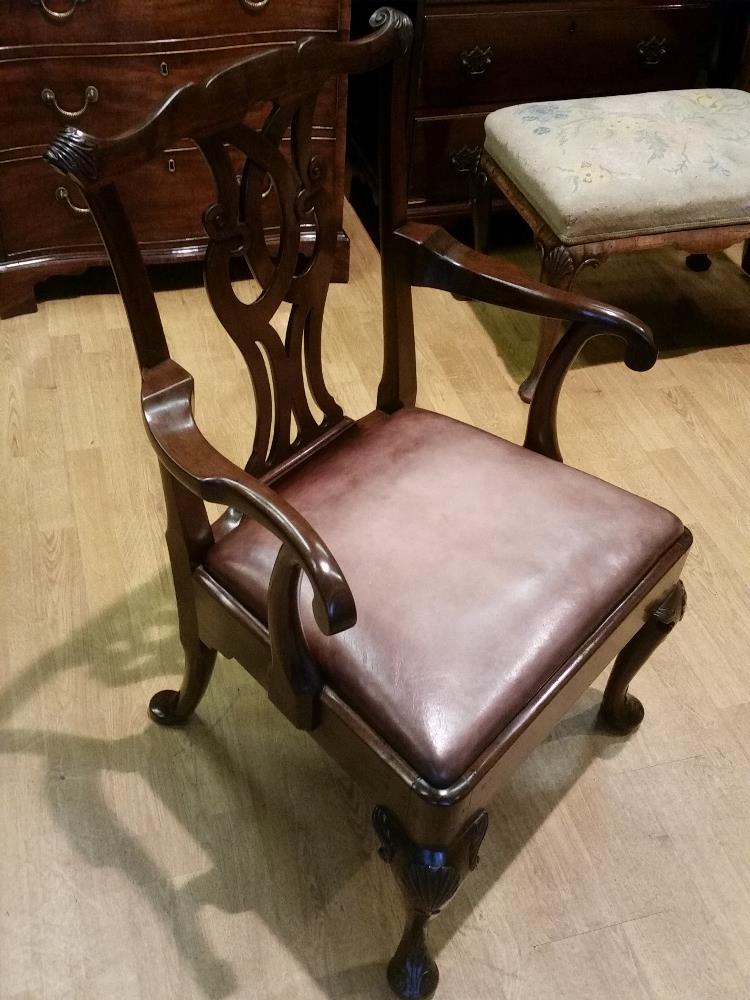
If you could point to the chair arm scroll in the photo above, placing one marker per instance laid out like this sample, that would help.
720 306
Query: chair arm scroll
167 392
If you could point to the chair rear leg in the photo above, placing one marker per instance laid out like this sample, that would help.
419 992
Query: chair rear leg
188 536
428 879
174 708
621 710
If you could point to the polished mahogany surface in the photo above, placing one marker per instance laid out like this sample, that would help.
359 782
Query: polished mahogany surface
99 65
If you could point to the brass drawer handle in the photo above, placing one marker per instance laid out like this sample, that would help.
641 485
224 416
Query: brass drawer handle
254 4
466 159
63 196
476 61
91 97
56 15
652 50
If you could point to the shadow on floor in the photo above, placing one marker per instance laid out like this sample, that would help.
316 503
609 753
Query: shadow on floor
686 310
286 832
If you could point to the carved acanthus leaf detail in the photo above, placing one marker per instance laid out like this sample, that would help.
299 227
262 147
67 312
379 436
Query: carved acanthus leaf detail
428 878
672 609
73 152
432 887
559 266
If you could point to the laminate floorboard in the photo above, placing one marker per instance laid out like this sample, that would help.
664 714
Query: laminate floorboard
232 859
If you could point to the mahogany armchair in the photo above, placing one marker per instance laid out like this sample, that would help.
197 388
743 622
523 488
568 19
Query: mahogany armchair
425 599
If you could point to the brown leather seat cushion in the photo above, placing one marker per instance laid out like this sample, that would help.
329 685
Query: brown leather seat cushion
477 568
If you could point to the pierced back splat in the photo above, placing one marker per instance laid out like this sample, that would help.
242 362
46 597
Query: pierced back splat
214 113
235 225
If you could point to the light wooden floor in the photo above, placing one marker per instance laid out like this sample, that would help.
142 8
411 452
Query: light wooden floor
142 863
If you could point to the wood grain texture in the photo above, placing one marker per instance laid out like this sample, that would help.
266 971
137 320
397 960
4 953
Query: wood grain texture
140 863
102 67
135 20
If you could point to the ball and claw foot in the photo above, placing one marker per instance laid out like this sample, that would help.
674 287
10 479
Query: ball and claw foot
162 709
412 972
429 879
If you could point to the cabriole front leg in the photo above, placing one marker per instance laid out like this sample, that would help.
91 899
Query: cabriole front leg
621 710
428 879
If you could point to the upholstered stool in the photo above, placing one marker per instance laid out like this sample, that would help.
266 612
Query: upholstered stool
608 175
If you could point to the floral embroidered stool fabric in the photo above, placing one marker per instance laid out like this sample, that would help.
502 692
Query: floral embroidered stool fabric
615 174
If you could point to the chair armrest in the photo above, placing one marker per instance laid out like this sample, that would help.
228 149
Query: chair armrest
167 393
437 260
440 261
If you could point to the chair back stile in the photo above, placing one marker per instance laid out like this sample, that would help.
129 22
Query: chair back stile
295 412
398 384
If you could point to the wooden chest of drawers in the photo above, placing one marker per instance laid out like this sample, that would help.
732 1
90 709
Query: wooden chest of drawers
101 64
470 58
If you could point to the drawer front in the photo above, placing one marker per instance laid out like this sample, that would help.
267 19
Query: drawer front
26 22
165 201
107 94
444 153
489 59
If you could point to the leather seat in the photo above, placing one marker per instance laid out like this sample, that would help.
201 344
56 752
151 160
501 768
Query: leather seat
439 671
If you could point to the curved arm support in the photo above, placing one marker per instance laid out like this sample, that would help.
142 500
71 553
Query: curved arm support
436 260
167 393
541 427
295 684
